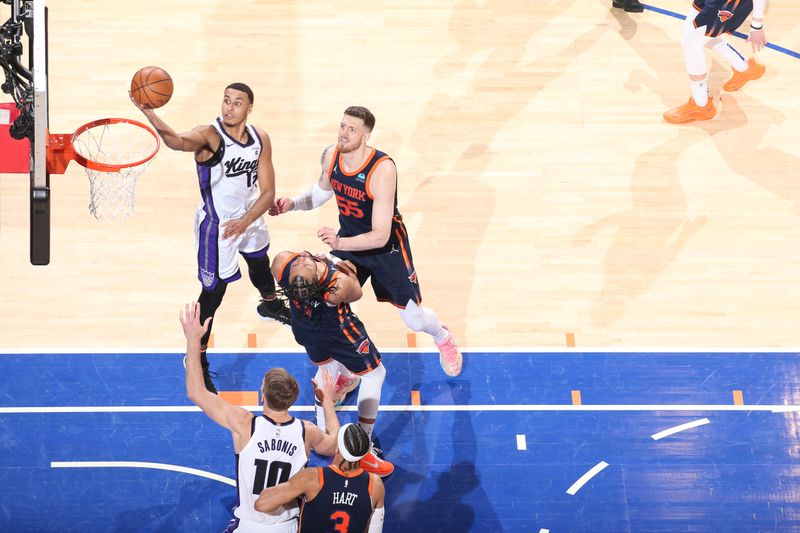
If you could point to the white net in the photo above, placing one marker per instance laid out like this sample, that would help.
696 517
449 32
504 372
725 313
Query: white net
113 194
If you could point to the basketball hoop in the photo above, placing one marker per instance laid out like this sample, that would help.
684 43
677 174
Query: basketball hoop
114 152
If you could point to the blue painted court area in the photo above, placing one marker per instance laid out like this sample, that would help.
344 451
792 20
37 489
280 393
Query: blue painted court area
494 450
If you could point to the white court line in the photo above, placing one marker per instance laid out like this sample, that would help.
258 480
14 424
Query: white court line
677 429
544 530
596 469
521 442
510 350
412 408
139 464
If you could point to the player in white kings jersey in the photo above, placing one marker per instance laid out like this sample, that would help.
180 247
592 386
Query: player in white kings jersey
237 186
270 448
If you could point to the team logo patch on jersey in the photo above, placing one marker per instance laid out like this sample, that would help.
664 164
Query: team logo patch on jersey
724 15
361 177
207 277
413 277
363 348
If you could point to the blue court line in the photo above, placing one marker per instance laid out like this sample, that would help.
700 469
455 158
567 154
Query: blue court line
678 16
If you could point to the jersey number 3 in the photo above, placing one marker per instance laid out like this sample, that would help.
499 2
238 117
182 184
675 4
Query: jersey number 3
278 473
341 520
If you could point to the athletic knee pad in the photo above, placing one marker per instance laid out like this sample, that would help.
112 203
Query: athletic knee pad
369 392
413 316
260 275
210 301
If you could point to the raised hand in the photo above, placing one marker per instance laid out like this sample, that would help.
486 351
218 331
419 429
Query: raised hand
190 320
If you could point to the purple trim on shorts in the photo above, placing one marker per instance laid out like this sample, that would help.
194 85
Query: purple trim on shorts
208 254
204 177
259 253
233 278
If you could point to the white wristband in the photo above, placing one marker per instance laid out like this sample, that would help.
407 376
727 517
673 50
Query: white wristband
376 520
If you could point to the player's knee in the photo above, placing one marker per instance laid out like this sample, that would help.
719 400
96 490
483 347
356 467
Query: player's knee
692 39
210 299
376 376
260 262
413 316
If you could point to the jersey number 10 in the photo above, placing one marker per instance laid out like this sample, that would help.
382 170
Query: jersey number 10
270 474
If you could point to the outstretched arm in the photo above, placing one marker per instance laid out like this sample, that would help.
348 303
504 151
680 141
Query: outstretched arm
191 141
313 197
306 482
324 443
231 417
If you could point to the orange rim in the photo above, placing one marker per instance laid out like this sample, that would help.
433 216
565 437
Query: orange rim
106 167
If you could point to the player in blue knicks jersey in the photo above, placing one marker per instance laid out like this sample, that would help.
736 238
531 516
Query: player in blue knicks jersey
320 290
705 26
233 161
371 233
340 498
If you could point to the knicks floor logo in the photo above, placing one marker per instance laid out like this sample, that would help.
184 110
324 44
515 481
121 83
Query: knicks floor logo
724 15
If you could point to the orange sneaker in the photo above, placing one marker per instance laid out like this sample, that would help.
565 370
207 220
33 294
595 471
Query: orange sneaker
375 465
689 112
753 72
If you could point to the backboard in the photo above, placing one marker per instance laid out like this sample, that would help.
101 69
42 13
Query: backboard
23 58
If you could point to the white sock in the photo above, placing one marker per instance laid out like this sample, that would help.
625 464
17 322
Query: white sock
367 427
731 54
700 91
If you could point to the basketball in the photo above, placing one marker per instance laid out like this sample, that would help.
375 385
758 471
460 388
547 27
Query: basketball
151 87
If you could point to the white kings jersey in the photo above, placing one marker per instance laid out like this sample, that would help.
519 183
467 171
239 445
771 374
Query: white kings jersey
228 180
274 453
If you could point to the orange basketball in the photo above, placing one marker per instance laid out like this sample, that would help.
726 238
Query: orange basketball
151 87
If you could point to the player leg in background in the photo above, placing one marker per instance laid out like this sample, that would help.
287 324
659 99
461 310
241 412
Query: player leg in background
744 70
210 300
700 105
270 307
369 385
394 279
369 399
419 318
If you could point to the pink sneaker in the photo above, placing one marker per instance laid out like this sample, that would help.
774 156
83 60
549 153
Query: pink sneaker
344 386
449 355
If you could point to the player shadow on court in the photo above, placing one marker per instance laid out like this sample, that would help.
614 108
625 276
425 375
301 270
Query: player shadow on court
445 509
460 127
649 235
741 150
189 513
652 233
627 23
231 376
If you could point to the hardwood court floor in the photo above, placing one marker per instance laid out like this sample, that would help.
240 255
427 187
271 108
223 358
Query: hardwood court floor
542 191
